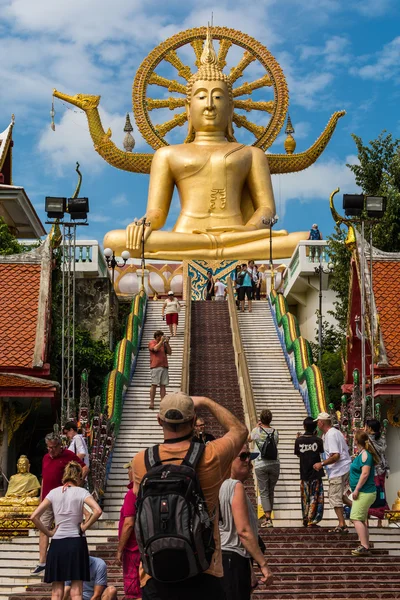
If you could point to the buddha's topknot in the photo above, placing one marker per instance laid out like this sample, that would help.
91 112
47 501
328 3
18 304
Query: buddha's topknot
209 70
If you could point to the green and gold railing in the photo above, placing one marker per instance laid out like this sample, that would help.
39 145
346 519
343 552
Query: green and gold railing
125 356
306 375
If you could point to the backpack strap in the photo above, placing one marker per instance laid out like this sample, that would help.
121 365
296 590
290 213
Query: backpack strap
194 454
152 457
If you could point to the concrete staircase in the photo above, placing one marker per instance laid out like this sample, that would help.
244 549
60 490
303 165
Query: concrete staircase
18 557
307 564
139 427
273 388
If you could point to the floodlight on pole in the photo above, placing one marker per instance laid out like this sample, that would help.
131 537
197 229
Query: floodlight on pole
78 208
375 206
353 204
55 207
357 205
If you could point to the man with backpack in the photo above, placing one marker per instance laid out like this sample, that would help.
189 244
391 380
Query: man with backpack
314 235
267 465
177 484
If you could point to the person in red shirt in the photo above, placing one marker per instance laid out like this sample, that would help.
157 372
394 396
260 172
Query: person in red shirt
159 348
128 551
53 465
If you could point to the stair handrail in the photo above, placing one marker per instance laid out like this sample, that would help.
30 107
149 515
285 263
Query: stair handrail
186 339
242 366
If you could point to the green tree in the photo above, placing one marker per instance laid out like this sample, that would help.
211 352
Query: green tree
90 354
378 174
8 242
339 280
331 360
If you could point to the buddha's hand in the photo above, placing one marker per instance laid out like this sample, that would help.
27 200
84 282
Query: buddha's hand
134 233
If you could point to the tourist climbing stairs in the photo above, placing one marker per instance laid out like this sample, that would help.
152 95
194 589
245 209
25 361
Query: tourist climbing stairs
273 389
139 428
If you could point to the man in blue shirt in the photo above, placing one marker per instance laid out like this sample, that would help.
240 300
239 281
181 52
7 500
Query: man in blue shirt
96 588
245 279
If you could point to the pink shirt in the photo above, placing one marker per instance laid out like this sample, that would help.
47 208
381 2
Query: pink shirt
128 509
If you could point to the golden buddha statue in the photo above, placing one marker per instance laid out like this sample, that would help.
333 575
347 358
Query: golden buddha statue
224 187
19 502
396 505
23 484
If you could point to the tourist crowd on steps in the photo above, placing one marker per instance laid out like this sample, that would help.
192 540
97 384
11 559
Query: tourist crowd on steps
230 572
225 465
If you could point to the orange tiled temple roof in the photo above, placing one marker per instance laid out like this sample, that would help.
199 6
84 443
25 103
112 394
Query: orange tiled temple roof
386 284
19 291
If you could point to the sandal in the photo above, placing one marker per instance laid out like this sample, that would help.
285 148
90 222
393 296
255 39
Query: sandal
266 523
338 529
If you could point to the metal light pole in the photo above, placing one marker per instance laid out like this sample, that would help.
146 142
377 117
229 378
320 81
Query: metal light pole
363 365
112 263
143 223
356 205
371 319
271 222
319 271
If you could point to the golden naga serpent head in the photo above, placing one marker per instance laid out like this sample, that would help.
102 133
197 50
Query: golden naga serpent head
83 101
350 240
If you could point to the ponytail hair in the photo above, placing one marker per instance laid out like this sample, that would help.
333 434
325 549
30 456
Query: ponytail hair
363 440
375 425
72 473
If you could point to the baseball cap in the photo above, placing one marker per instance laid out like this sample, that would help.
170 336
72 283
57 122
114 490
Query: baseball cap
127 465
323 416
315 225
176 408
170 293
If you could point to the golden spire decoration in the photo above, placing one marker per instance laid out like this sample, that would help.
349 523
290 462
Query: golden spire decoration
209 69
290 142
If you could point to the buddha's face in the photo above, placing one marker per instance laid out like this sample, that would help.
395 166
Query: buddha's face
23 465
210 108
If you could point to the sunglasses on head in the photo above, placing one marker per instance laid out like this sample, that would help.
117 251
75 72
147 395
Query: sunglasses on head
244 456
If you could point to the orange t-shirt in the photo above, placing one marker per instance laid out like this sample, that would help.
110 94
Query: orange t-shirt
214 467
158 358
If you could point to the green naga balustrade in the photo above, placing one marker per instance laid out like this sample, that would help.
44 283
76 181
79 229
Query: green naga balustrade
125 355
306 375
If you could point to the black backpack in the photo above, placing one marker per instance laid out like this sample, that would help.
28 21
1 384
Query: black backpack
173 528
269 451
240 277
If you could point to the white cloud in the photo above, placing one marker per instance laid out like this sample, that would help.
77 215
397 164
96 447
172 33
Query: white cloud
386 65
333 52
315 183
88 22
96 218
372 8
120 200
71 140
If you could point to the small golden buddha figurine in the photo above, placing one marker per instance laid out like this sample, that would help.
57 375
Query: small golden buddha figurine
396 505
23 484
224 187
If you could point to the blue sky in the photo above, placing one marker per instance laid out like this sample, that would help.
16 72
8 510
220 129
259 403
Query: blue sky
335 55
